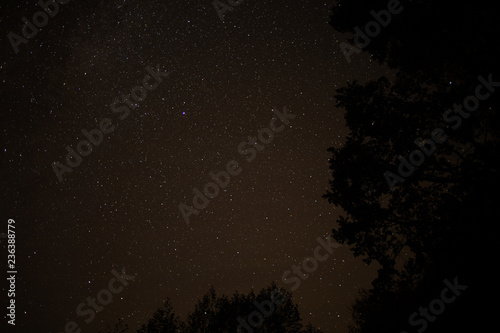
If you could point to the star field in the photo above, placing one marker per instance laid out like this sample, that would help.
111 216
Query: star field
120 206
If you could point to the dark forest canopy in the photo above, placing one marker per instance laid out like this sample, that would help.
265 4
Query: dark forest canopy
271 310
417 176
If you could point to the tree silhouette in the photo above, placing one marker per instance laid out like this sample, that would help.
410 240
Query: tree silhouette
271 311
429 40
221 314
163 320
434 222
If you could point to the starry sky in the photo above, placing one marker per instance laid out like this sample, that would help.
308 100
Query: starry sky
120 206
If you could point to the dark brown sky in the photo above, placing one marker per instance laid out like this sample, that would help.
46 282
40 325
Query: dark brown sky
119 207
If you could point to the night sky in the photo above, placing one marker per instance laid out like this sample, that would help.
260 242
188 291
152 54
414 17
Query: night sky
120 206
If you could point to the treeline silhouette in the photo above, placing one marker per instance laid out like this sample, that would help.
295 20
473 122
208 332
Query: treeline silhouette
228 314
438 221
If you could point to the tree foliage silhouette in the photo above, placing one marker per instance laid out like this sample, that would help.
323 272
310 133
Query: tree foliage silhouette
163 320
220 314
436 223
429 40
225 314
